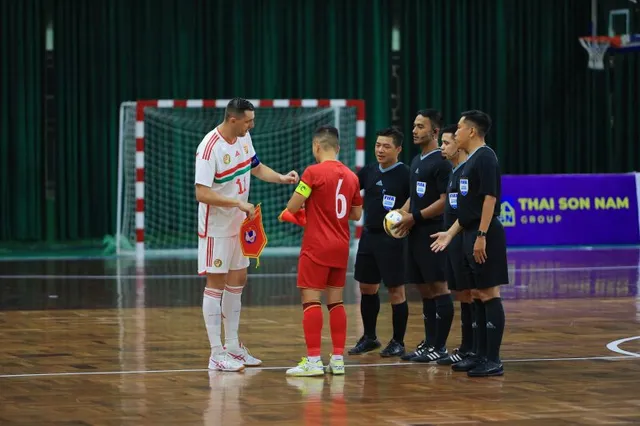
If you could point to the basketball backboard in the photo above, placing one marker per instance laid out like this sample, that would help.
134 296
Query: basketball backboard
614 28
615 17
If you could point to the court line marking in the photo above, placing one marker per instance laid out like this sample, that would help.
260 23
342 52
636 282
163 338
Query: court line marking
280 275
398 364
615 346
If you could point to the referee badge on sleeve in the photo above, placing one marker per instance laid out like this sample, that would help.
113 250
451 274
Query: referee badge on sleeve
453 200
388 201
421 188
464 186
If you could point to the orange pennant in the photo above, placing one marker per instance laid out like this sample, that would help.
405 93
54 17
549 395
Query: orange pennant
253 239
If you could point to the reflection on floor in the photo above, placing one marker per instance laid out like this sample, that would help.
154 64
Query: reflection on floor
98 283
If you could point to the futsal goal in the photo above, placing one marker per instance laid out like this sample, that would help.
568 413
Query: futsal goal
156 209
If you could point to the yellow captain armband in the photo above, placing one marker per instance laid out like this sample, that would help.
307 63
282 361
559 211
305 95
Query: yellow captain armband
303 189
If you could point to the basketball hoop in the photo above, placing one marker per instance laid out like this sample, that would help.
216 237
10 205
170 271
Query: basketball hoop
596 46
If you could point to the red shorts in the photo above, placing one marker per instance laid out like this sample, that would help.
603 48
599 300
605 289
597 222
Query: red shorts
319 277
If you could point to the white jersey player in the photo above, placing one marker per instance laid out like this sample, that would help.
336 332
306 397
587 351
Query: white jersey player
225 162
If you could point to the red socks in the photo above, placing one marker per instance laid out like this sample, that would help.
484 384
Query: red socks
338 323
312 326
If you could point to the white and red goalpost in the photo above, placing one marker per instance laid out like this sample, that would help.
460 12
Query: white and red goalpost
157 211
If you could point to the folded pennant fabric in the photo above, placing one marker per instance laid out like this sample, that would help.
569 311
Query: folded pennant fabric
253 238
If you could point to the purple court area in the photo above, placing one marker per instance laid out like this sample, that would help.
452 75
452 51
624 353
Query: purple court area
569 273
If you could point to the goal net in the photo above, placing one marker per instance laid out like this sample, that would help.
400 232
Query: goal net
157 210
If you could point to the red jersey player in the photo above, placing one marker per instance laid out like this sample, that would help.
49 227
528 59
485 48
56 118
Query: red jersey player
331 195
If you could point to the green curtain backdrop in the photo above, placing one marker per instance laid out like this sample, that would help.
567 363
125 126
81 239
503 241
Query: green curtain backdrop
112 51
519 61
622 141
21 165
522 63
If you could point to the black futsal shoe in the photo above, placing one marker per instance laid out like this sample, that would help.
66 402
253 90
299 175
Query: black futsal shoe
430 355
487 369
455 357
407 356
468 363
393 349
364 345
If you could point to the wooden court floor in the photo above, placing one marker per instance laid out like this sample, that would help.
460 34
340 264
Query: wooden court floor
76 352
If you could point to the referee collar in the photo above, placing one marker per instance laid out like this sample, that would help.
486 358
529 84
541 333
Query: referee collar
476 150
458 166
388 169
422 157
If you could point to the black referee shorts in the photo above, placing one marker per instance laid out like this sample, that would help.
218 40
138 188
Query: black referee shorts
380 258
456 278
494 271
423 265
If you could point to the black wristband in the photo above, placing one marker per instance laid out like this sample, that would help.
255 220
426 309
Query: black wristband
417 217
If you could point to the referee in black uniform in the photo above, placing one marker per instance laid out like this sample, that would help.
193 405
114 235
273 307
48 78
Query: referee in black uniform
381 257
429 179
483 242
457 282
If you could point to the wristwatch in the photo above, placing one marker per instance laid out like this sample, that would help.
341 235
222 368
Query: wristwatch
482 234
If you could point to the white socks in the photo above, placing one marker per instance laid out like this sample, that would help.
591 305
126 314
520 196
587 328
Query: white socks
211 311
231 305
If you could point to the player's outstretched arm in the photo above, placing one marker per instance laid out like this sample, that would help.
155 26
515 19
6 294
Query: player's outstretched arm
206 195
267 174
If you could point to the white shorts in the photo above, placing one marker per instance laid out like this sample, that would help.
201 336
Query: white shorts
219 255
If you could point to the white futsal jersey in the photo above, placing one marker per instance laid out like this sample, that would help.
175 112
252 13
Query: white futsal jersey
225 168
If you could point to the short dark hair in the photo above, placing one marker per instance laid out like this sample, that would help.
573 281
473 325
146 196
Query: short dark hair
480 120
237 107
451 128
433 115
393 133
327 137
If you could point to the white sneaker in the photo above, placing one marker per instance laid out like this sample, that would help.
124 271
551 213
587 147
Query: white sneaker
335 367
307 369
222 361
241 354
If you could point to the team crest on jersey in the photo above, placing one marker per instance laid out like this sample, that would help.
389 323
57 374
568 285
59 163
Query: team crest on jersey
246 149
250 235
421 188
237 154
464 186
217 263
226 159
388 201
453 200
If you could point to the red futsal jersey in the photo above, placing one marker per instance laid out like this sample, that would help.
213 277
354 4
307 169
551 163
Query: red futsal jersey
331 190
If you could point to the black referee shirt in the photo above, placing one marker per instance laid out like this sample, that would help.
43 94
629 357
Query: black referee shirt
384 190
429 179
480 177
451 206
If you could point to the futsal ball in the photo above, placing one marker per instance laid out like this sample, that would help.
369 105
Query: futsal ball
390 219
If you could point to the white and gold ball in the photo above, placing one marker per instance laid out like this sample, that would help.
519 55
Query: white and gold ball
390 219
